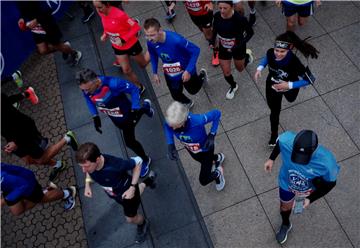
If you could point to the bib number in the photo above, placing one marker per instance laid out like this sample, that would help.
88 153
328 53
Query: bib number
193 147
115 112
173 69
227 43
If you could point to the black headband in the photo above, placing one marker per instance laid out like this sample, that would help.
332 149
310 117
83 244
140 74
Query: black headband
282 44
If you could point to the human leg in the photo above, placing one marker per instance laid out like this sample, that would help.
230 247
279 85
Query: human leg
286 203
124 62
273 100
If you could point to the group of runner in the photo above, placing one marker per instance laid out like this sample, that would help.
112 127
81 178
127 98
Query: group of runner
227 32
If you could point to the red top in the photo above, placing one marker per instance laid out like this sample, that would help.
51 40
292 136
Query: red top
196 7
117 24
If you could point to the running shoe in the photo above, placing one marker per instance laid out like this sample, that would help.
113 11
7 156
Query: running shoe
88 16
57 169
149 110
17 77
215 58
31 95
145 168
76 56
190 104
70 200
65 56
73 141
220 181
142 231
16 105
218 162
170 16
203 75
281 235
250 57
231 92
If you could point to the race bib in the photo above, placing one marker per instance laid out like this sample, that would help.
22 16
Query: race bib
193 5
172 69
226 42
115 39
192 147
109 191
115 112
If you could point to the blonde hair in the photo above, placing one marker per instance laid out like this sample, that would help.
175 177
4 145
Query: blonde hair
176 114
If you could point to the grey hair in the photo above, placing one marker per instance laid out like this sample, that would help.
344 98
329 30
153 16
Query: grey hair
176 114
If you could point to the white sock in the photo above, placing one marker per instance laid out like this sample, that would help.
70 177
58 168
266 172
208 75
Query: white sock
66 193
58 164
67 138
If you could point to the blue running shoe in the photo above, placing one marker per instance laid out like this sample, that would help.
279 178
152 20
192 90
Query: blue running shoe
145 168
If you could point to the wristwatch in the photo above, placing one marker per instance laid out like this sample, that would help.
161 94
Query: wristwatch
133 184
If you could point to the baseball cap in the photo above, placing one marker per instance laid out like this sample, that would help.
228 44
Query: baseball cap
305 143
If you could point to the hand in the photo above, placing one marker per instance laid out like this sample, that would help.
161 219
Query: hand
129 194
172 152
21 24
306 203
10 147
209 143
185 76
278 3
32 24
103 37
88 191
282 86
97 124
209 7
268 165
257 75
156 79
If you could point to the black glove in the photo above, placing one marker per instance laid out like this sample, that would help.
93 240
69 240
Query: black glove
97 124
172 152
209 143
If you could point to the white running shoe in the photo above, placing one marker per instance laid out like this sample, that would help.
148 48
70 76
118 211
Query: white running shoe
231 92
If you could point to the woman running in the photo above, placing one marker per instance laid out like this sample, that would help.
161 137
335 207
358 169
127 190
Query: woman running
122 31
233 31
286 74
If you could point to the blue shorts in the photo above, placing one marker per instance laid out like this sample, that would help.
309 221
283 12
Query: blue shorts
303 10
286 196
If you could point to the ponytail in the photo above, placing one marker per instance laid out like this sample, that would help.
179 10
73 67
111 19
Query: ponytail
302 45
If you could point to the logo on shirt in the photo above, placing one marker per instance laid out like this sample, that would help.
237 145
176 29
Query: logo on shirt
165 57
298 182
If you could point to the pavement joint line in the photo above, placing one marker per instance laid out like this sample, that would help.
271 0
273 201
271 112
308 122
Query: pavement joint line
145 11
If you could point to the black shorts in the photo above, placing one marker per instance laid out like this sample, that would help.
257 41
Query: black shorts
204 21
303 10
130 206
237 53
36 196
132 51
30 148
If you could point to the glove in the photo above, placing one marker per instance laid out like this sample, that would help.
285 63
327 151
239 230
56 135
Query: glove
97 124
209 143
172 152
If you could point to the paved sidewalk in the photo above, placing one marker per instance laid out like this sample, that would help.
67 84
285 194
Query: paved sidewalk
181 211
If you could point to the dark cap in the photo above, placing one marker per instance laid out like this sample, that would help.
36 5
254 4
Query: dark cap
305 143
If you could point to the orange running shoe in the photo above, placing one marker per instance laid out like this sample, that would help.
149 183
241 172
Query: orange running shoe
215 58
31 95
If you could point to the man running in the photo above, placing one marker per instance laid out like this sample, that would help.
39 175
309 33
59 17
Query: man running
179 58
21 191
112 174
308 173
108 95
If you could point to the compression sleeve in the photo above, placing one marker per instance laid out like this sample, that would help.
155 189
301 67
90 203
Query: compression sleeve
322 187
263 63
275 152
154 58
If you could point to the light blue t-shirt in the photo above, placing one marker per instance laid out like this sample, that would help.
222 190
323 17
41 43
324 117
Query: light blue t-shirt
297 178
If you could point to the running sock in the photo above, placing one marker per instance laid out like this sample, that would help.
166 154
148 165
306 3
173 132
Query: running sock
285 215
66 193
230 80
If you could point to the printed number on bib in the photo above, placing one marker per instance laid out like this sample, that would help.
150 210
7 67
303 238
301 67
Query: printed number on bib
115 112
193 5
227 43
193 147
172 69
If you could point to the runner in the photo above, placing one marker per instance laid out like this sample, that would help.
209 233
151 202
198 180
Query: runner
303 9
308 173
112 174
233 31
285 69
45 31
122 31
170 13
179 58
24 139
21 191
201 13
189 128
239 7
108 94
